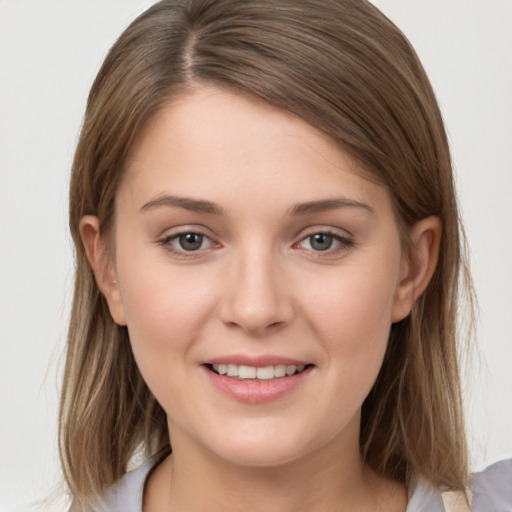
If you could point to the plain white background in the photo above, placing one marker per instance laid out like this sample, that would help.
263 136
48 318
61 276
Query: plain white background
49 53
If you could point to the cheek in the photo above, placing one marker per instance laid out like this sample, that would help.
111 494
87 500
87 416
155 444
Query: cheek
358 299
352 320
165 309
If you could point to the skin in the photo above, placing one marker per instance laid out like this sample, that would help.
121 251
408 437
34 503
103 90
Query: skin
257 286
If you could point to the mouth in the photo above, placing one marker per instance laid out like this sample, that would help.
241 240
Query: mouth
265 373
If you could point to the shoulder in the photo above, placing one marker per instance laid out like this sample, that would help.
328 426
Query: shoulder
126 495
492 488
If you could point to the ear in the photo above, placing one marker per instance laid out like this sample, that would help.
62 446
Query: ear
418 265
102 266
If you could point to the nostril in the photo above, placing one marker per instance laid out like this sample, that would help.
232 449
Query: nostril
256 329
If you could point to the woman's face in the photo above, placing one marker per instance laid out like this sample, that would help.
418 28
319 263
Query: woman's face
246 243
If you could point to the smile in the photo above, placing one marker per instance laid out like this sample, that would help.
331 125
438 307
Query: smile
243 372
259 382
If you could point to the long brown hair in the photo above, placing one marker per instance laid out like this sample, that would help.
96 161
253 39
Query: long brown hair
343 67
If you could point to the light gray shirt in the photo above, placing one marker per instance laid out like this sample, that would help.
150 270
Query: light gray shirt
491 489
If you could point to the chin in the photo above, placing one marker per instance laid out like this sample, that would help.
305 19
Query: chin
265 447
250 456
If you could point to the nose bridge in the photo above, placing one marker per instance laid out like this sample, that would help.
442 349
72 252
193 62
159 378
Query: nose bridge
255 300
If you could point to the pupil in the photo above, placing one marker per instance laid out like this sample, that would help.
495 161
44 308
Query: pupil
321 242
191 241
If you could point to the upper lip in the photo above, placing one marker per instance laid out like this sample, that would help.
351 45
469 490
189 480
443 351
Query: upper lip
256 361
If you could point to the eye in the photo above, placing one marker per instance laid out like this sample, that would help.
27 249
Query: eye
186 242
191 241
325 242
320 241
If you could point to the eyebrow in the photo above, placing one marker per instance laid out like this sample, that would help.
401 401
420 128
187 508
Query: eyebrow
203 206
328 204
187 203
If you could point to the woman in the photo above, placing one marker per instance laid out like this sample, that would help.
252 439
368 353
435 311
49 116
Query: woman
268 259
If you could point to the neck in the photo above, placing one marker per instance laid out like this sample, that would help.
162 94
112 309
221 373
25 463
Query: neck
333 479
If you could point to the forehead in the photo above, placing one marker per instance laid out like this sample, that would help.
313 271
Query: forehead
211 141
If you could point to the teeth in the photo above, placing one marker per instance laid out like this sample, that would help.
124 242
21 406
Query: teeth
280 370
246 372
232 370
290 370
263 373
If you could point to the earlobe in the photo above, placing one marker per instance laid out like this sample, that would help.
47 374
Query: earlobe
102 267
418 265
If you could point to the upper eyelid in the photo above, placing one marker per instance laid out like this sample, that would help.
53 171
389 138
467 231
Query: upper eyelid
173 236
303 234
336 236
172 232
342 242
331 230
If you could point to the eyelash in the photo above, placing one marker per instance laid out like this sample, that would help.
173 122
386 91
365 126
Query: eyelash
342 244
167 243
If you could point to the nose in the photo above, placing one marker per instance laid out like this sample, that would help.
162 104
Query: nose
256 299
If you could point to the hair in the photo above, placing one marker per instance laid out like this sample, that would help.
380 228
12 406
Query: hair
344 68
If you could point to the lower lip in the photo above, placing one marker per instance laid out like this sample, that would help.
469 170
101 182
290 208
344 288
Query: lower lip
254 391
